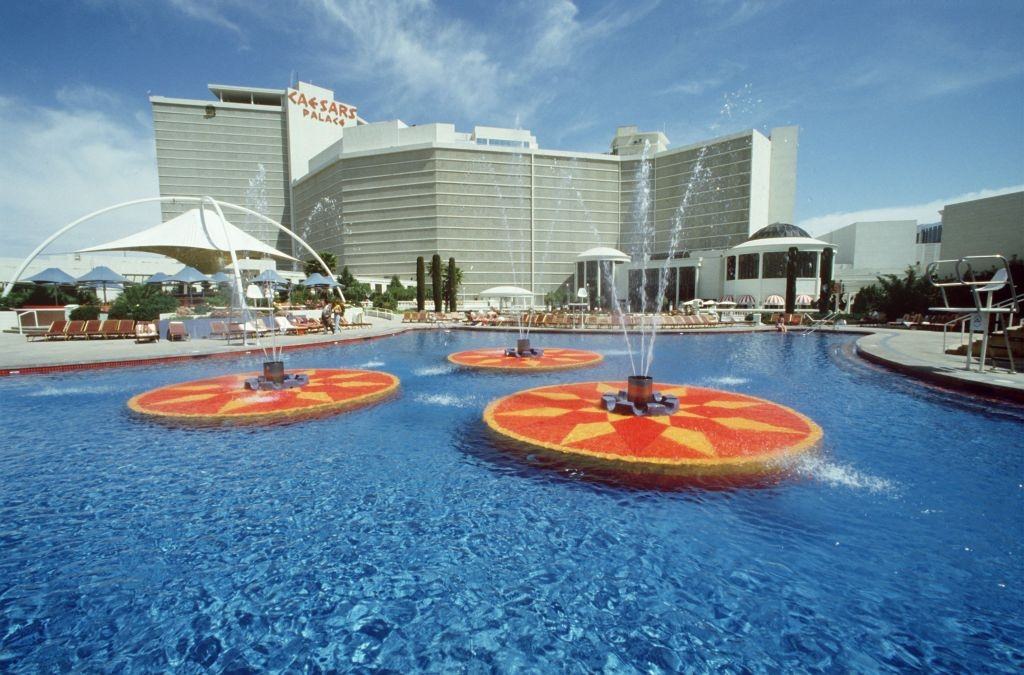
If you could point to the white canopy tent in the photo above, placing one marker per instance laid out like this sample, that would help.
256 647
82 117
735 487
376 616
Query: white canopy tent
199 241
509 292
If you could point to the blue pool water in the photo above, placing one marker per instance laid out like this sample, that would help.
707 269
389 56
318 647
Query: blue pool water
400 537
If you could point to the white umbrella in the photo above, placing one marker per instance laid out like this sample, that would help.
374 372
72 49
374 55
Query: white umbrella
603 253
506 292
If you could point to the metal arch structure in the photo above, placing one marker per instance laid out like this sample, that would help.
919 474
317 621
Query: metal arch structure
173 200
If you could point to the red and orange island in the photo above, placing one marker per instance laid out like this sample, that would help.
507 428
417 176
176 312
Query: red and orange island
713 432
225 400
494 358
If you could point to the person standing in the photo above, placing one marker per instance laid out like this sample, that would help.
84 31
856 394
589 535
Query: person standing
336 314
327 317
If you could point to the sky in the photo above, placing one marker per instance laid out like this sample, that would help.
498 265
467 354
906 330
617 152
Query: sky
902 106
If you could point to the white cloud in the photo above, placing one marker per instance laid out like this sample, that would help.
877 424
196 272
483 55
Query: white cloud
417 53
422 57
204 10
928 212
65 160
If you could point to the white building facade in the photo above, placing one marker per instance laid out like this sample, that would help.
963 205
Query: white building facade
380 195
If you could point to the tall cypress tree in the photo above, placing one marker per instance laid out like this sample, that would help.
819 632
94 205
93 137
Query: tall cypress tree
421 284
435 279
451 285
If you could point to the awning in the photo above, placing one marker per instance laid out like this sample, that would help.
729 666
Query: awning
804 300
603 253
773 300
728 298
185 238
746 300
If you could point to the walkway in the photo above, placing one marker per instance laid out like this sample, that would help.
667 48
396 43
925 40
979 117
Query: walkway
918 353
19 356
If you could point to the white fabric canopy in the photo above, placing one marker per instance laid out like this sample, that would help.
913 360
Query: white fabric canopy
603 253
184 238
506 292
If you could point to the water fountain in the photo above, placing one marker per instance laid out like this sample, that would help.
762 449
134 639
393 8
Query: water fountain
523 356
679 429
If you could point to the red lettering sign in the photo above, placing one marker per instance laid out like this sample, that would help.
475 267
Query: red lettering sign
321 109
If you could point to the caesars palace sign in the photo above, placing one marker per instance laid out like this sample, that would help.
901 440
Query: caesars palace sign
322 109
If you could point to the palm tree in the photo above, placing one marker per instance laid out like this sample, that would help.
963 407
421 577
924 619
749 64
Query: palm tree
312 266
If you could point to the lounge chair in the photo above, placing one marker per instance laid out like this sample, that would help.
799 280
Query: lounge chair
126 328
76 329
219 330
56 331
176 331
111 329
146 331
93 329
287 327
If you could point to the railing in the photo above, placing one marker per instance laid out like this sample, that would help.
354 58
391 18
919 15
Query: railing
381 314
983 309
21 313
823 321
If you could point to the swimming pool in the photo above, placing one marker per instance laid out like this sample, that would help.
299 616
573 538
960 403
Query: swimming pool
400 536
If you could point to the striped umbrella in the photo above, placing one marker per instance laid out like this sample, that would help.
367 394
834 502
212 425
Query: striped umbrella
774 300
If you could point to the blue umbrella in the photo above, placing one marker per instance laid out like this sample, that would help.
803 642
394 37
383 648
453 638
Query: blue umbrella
220 278
187 275
158 278
317 279
101 276
52 275
270 277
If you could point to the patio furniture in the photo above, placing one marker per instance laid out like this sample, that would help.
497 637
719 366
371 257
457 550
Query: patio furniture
125 328
56 331
111 329
93 329
176 331
76 329
146 331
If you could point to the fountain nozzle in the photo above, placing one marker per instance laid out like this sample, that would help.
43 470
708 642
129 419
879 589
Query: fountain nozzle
640 399
523 349
274 378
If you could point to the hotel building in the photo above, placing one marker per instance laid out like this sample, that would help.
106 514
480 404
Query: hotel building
380 194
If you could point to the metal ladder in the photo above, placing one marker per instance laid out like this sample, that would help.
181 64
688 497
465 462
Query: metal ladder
978 317
822 322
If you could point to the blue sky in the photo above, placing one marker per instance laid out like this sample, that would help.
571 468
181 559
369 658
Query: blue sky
902 106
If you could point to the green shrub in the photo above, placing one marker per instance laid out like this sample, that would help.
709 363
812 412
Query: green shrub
85 313
142 303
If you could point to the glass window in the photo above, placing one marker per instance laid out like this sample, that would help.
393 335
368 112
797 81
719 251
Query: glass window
748 265
774 265
806 264
730 268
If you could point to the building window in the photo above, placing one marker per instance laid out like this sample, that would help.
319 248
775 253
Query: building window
774 265
748 265
730 268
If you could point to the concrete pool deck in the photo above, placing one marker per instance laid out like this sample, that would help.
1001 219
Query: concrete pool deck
914 353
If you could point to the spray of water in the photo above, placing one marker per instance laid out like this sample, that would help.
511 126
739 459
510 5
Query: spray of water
698 177
607 280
